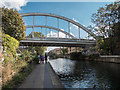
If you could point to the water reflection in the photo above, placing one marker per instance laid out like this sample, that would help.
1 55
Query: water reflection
85 74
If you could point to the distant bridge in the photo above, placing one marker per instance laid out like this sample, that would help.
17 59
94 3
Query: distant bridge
68 41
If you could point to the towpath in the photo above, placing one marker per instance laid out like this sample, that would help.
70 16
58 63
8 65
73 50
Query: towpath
43 76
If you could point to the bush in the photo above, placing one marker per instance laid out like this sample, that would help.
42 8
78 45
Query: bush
53 55
17 78
26 55
77 56
13 71
94 56
36 59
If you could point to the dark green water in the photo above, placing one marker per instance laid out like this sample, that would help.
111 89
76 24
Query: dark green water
87 74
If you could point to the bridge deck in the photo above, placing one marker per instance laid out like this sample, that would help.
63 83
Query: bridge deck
57 42
43 76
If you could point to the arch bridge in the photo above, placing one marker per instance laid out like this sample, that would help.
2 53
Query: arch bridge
68 40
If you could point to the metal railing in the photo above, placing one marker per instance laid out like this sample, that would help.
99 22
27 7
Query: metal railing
61 39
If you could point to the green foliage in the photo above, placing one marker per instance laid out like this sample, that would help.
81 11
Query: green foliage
52 55
107 21
94 56
108 46
10 46
14 67
64 50
15 71
77 56
105 18
18 77
26 55
36 59
38 49
116 28
12 24
36 35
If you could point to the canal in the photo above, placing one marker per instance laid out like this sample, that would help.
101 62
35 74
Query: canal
87 74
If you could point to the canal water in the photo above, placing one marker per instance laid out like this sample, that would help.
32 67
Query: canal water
87 74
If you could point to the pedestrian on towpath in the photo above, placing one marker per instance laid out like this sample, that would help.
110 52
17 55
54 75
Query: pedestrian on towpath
45 58
42 59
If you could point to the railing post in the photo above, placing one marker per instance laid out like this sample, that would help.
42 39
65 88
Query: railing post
41 32
33 28
58 26
69 28
79 32
50 32
46 25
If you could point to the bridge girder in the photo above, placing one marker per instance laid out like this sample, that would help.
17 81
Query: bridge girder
64 43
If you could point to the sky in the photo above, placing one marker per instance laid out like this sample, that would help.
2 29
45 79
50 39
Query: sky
78 11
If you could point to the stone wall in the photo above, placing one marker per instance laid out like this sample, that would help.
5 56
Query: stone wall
114 59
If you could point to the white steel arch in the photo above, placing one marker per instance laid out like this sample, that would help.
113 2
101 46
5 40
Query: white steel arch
57 29
63 18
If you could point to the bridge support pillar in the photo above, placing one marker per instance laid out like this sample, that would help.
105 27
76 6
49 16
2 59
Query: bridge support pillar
70 49
60 50
76 49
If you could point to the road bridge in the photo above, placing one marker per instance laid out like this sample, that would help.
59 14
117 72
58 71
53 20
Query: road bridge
57 42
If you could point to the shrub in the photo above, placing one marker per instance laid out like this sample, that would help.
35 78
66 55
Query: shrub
77 56
94 56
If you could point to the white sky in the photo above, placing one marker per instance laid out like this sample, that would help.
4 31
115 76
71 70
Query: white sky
17 4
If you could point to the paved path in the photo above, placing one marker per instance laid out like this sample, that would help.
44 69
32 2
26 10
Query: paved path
43 76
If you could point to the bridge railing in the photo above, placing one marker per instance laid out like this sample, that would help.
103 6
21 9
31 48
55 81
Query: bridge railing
60 39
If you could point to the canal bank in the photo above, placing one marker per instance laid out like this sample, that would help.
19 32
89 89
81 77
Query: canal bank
111 59
95 57
43 76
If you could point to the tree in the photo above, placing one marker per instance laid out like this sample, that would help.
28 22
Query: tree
36 35
38 49
64 50
12 23
105 18
107 23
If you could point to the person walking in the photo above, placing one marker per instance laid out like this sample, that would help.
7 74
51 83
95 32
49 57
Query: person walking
42 59
45 58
